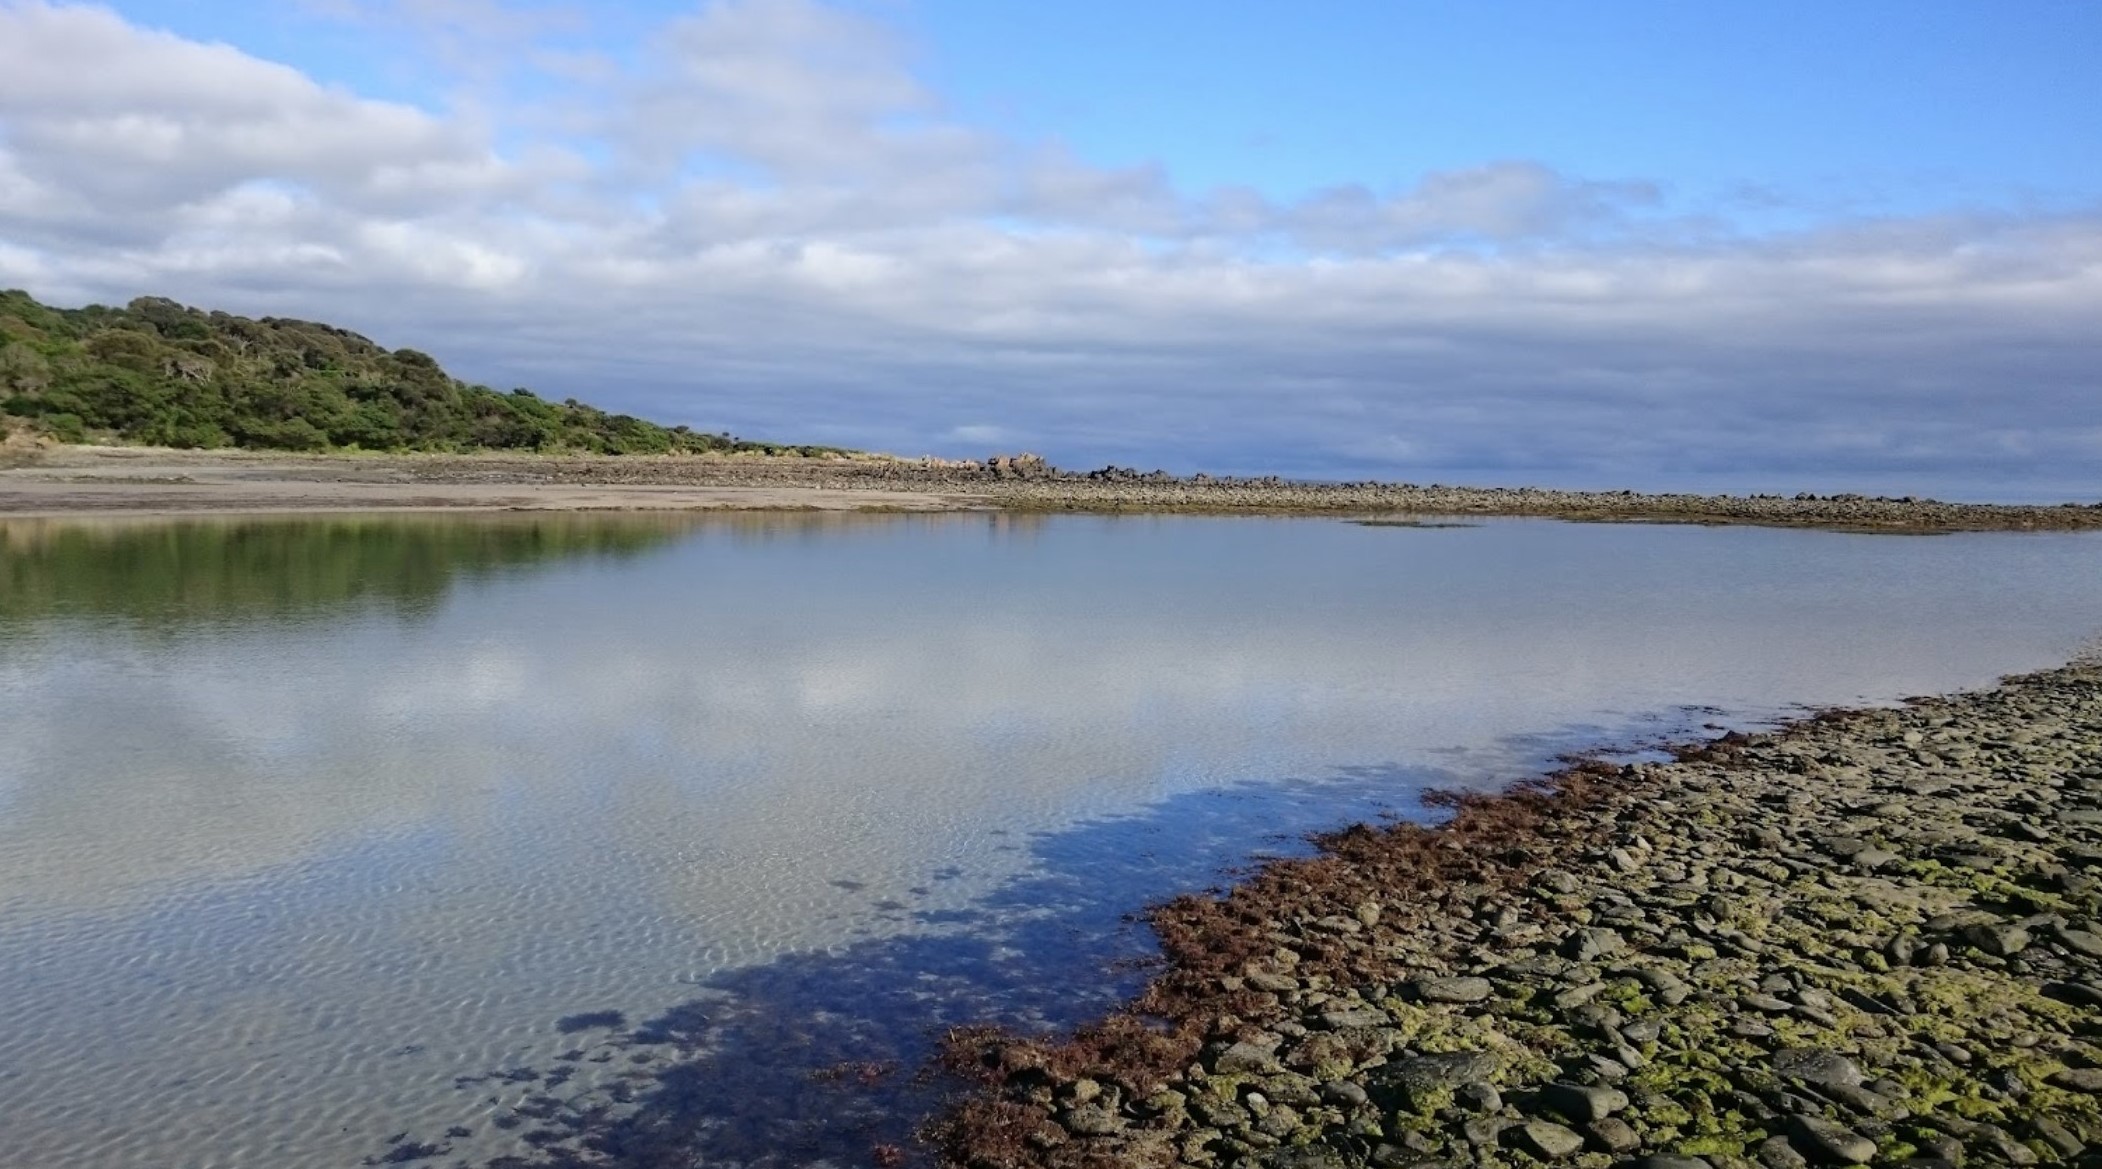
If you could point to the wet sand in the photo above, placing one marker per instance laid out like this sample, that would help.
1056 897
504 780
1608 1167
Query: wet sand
90 480
1869 936
67 481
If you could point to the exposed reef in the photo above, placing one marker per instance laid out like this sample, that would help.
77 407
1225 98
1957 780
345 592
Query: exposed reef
1869 937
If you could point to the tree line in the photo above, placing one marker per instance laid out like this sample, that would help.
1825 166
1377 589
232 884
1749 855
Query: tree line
161 373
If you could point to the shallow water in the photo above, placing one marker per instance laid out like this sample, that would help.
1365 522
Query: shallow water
307 826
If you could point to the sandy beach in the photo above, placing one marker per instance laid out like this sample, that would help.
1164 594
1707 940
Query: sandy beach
77 480
1871 936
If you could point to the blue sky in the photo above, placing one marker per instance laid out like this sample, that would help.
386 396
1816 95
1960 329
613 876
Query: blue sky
1753 245
1862 106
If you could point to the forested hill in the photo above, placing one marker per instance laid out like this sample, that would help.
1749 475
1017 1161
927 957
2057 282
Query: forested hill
157 372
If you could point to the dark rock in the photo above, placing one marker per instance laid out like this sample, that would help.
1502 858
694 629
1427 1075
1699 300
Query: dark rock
2079 994
1548 1140
2087 1080
1443 1070
1777 1153
1344 1094
1591 944
1577 996
1612 1135
1303 1157
1244 1057
2081 942
1826 1143
1999 939
1478 1097
1582 1103
1454 990
2058 1137
1865 1101
1091 1120
1816 1065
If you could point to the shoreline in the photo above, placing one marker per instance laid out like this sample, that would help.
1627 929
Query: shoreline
60 481
1868 935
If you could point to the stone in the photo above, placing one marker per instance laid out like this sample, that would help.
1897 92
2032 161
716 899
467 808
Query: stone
1582 1103
2058 1137
1670 1161
1344 1094
1866 1102
1606 1066
2077 993
1593 943
1454 990
1362 1017
1548 1140
1445 1069
1816 1065
1478 1097
1826 1143
1093 1120
1303 1157
1612 1135
2001 940
2087 1080
1245 1057
1777 1153
1486 1130
1577 996
2081 942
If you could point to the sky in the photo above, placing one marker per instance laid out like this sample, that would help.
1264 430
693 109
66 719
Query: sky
1662 245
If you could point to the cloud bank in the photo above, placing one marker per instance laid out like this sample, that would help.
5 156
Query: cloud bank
763 219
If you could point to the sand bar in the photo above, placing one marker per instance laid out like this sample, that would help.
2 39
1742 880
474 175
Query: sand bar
89 480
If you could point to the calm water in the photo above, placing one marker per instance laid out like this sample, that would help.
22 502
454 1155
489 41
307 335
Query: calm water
308 827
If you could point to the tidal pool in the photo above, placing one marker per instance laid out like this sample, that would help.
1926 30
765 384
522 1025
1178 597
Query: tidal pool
334 839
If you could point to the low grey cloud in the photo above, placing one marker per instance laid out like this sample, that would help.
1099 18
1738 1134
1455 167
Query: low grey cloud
773 225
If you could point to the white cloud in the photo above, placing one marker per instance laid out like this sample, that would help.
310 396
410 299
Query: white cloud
772 224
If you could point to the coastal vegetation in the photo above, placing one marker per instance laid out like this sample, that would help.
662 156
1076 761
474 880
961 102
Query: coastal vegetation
161 373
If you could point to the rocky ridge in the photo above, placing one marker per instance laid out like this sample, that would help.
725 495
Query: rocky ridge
1870 937
1015 483
1026 482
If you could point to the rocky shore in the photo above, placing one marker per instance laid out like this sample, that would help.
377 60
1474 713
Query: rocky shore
55 480
1869 937
1025 482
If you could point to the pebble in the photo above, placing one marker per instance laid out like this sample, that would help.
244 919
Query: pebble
2087 945
1825 1143
1454 990
1816 1065
1247 1057
1998 940
1613 1135
1550 1140
1582 1103
1589 945
2078 1080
